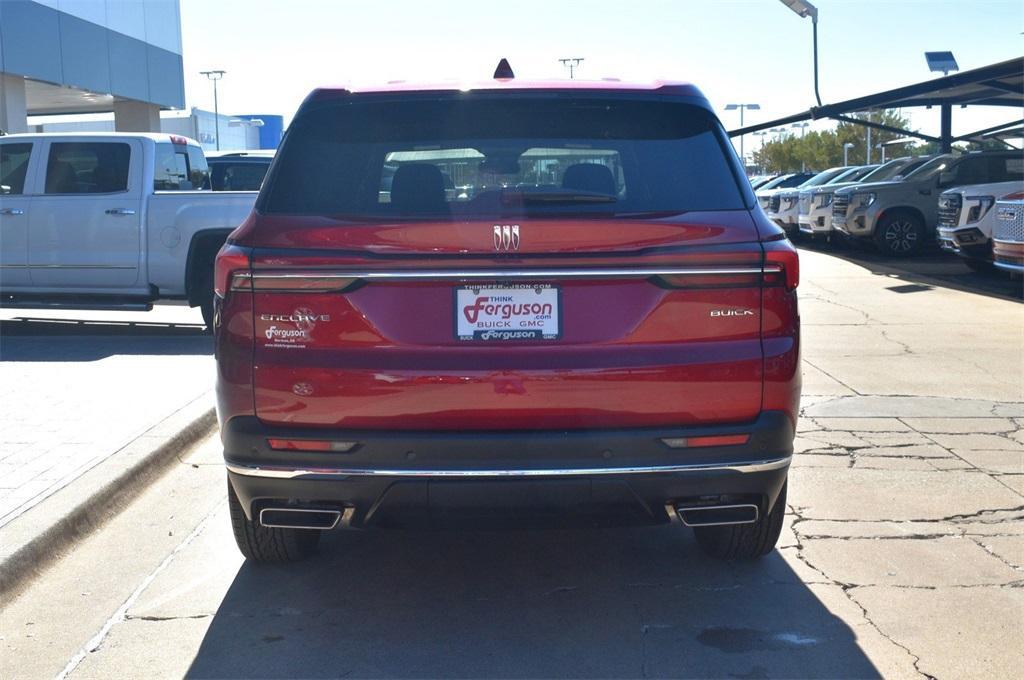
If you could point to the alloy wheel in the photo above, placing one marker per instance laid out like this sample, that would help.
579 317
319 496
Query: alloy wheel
901 236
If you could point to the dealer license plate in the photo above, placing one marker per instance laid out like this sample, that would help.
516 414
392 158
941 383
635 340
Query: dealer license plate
510 312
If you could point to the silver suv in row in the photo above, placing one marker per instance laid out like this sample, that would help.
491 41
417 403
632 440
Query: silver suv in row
902 216
816 203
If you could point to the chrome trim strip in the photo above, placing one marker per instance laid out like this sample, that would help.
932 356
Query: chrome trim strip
287 472
499 274
68 266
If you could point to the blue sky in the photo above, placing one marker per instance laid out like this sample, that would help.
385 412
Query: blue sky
734 50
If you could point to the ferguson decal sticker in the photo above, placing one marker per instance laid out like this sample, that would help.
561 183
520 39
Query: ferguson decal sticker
291 330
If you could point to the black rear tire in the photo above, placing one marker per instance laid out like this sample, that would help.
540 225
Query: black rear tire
745 541
265 544
900 234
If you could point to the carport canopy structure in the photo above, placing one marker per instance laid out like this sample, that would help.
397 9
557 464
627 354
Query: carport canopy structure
999 84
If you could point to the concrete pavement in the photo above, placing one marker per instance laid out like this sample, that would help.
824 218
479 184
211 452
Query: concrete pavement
902 555
76 387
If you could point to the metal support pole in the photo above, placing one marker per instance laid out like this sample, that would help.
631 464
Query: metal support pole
216 116
946 127
868 155
814 23
215 76
743 159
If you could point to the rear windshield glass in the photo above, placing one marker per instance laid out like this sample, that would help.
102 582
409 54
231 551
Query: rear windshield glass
491 157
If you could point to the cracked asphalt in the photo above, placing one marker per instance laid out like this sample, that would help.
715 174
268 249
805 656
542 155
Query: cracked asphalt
902 555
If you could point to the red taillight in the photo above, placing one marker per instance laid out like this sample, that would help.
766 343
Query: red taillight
231 260
310 445
297 282
710 440
740 278
782 257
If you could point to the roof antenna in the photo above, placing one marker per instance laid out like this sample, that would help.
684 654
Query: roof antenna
504 71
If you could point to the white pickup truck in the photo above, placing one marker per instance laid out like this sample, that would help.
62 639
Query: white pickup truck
110 221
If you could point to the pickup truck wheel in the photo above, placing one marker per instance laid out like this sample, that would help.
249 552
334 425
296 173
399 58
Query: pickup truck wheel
899 234
744 541
268 545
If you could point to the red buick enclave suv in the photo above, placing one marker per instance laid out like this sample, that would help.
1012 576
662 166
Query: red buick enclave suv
543 301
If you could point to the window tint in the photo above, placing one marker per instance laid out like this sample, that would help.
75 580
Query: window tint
198 170
930 169
87 168
13 167
464 173
171 169
180 168
245 176
971 171
1007 169
488 156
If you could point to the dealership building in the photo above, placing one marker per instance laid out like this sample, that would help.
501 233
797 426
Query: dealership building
89 56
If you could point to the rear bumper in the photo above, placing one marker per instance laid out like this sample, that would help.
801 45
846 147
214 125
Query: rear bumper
628 475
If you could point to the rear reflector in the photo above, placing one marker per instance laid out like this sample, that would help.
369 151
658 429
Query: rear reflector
713 440
310 445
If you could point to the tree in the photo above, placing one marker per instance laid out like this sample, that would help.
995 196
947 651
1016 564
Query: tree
821 150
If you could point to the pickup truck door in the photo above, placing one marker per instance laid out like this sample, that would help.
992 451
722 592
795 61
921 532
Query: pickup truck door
85 226
16 166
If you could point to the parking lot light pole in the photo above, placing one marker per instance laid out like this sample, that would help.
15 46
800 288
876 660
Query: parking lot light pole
215 76
742 108
805 9
572 63
846 152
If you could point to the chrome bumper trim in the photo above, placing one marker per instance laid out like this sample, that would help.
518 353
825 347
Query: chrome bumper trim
502 274
285 472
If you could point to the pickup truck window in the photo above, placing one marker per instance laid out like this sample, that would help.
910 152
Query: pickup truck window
13 167
180 168
488 158
87 168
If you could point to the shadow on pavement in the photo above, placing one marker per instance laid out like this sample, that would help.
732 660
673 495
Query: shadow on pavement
41 339
925 271
587 603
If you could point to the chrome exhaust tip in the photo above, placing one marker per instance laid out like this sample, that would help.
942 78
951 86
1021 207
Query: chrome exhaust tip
716 515
300 518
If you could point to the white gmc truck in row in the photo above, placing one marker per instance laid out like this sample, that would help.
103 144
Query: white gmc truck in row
110 221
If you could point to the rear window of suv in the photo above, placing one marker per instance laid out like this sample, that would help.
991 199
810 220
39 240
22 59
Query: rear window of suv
464 156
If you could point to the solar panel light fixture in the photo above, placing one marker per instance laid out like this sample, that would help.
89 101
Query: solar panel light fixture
941 61
804 9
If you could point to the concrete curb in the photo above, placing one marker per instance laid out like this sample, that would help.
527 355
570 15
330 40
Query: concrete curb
43 534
